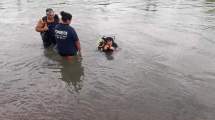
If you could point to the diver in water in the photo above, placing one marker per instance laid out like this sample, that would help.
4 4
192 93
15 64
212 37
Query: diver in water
68 44
107 44
46 27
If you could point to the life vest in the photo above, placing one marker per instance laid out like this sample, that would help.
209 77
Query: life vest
56 19
51 25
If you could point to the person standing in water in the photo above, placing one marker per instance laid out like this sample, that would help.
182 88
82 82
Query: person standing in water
68 44
46 27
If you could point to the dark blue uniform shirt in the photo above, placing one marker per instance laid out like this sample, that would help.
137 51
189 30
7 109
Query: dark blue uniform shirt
66 37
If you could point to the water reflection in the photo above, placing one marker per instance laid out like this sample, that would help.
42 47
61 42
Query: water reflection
71 71
1 6
151 5
210 0
210 6
19 5
109 55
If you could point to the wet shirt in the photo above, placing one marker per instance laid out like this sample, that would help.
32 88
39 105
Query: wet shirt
66 37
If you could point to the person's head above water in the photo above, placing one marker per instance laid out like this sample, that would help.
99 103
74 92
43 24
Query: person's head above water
50 13
66 17
108 39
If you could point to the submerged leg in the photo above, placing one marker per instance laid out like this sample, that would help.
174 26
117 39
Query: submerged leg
46 40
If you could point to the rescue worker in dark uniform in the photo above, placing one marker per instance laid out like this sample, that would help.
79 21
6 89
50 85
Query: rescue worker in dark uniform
68 44
46 27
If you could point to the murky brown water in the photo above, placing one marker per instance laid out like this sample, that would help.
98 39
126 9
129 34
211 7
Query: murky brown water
164 70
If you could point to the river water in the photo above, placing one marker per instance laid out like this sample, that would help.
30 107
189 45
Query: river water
164 68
